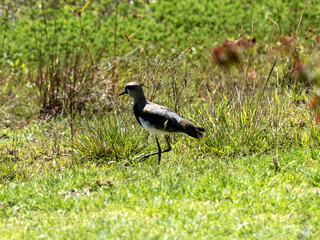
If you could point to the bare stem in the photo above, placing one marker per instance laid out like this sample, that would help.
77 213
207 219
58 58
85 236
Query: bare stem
299 25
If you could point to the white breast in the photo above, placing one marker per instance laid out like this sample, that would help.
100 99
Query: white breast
147 126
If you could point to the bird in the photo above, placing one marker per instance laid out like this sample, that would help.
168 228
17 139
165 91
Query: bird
157 119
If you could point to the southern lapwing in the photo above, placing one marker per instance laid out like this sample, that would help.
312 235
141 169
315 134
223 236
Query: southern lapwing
157 119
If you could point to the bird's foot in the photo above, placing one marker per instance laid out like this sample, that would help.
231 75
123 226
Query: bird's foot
128 163
132 160
144 158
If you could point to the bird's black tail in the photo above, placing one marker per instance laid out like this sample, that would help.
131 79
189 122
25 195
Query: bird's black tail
192 130
195 132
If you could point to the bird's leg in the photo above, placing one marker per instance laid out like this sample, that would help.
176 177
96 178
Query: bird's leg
151 154
167 150
159 150
169 146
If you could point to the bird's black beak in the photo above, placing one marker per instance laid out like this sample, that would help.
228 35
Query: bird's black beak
124 92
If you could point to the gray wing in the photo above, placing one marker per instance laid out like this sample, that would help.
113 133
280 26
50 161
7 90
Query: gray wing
162 117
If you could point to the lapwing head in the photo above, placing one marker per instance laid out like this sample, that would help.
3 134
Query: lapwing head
134 89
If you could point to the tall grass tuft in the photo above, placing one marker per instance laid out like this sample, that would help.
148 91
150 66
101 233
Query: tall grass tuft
108 138
65 71
238 126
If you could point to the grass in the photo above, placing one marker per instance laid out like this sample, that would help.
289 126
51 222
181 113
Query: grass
27 152
195 193
64 132
187 198
224 185
108 139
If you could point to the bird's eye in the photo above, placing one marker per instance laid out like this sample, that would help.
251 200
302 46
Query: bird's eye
129 87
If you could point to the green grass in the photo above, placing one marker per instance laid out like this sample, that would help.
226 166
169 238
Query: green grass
221 186
108 139
64 132
188 198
